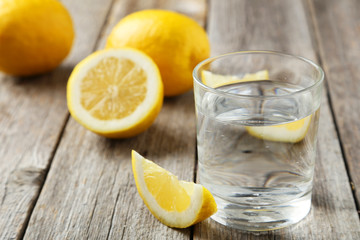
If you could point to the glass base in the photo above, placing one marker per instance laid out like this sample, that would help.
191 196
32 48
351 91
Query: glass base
262 218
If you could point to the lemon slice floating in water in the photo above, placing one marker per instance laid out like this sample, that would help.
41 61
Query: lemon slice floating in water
173 202
289 132
216 80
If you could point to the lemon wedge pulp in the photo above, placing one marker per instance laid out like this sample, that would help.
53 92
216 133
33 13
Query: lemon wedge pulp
173 202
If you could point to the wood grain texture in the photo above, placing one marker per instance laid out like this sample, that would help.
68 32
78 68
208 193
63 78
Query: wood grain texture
90 192
338 27
282 25
33 113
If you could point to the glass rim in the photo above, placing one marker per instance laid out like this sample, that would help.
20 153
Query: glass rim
219 92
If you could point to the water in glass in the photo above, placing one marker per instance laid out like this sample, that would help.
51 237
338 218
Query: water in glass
257 158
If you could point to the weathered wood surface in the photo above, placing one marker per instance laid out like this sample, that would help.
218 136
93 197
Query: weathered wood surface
281 25
338 27
89 192
32 115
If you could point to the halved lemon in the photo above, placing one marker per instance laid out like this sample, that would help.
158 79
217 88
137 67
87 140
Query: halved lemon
289 132
216 80
115 93
173 202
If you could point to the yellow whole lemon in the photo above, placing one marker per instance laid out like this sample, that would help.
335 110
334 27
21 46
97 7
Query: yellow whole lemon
35 36
175 42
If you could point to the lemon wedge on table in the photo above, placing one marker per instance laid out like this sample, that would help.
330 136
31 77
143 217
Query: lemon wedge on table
173 202
216 80
115 93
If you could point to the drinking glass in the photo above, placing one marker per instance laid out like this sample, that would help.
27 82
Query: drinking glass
257 119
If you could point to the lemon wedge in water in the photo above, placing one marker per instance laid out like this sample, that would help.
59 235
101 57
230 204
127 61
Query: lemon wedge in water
289 132
216 80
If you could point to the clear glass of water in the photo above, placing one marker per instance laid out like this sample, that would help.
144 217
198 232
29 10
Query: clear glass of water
257 119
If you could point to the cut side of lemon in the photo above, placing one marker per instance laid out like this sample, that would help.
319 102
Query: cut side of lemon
216 80
115 93
173 202
289 132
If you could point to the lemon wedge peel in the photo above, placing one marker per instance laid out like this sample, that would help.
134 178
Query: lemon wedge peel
139 120
199 204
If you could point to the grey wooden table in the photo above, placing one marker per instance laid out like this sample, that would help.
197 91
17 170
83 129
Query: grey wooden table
60 181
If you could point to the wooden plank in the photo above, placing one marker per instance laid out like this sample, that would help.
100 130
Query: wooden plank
338 27
90 191
282 25
33 113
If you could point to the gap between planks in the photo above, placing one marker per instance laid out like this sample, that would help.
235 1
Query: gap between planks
315 34
102 31
46 171
58 140
205 26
